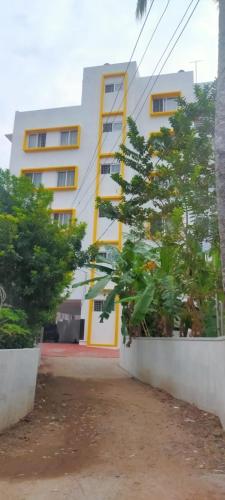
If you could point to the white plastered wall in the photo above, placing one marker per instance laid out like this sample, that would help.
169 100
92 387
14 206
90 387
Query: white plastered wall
85 158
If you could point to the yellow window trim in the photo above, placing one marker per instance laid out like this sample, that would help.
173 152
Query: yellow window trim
163 95
112 113
107 242
54 169
71 211
28 132
113 197
113 75
158 133
107 155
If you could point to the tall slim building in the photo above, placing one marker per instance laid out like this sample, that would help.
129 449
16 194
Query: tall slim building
71 150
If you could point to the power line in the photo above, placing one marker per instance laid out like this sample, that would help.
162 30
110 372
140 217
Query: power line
170 52
114 102
150 78
173 47
130 83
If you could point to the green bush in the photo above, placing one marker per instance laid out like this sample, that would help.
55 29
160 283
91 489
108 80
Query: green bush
14 332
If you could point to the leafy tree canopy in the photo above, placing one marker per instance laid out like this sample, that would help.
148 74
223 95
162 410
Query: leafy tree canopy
37 257
173 174
171 200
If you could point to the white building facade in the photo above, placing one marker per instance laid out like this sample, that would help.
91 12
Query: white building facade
71 152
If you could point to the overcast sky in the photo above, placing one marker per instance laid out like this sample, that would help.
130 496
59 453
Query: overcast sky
45 44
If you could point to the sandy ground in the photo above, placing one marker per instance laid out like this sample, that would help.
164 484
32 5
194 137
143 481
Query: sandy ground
97 434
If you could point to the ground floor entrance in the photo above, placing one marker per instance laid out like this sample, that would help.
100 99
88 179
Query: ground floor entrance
68 326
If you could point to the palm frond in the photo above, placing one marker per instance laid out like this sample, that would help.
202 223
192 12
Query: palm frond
141 8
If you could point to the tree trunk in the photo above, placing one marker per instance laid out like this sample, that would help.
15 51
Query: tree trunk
220 135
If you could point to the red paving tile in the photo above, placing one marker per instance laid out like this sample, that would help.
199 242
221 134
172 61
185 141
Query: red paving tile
76 350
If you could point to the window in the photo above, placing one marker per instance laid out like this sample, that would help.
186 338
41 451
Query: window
117 126
98 305
102 255
107 127
62 218
113 168
158 105
61 178
164 103
156 226
109 87
68 137
37 140
35 177
105 168
111 127
101 212
118 87
113 87
66 178
105 254
52 138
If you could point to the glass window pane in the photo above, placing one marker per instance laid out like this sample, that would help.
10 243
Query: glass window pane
32 141
156 226
70 178
66 218
41 140
115 168
73 137
107 127
117 126
157 105
105 168
29 176
102 255
36 178
60 218
98 305
170 104
118 87
64 138
101 212
61 179
109 88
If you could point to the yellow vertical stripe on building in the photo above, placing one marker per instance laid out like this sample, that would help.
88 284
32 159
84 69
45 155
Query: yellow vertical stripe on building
97 192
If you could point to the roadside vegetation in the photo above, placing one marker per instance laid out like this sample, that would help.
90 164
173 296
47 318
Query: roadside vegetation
37 260
168 274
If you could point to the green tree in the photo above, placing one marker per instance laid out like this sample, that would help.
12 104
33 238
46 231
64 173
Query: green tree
37 257
173 175
149 297
220 125
173 191
220 134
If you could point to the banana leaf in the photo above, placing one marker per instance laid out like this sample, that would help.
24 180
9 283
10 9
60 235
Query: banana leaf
103 269
142 305
98 288
87 282
108 305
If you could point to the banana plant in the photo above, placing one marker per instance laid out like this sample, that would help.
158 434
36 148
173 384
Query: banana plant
139 284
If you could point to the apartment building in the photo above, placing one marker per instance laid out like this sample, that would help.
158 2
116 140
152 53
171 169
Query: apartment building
71 150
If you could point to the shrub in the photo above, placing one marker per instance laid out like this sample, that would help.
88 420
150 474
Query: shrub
14 332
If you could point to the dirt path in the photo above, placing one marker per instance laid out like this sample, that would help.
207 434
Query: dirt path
110 438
